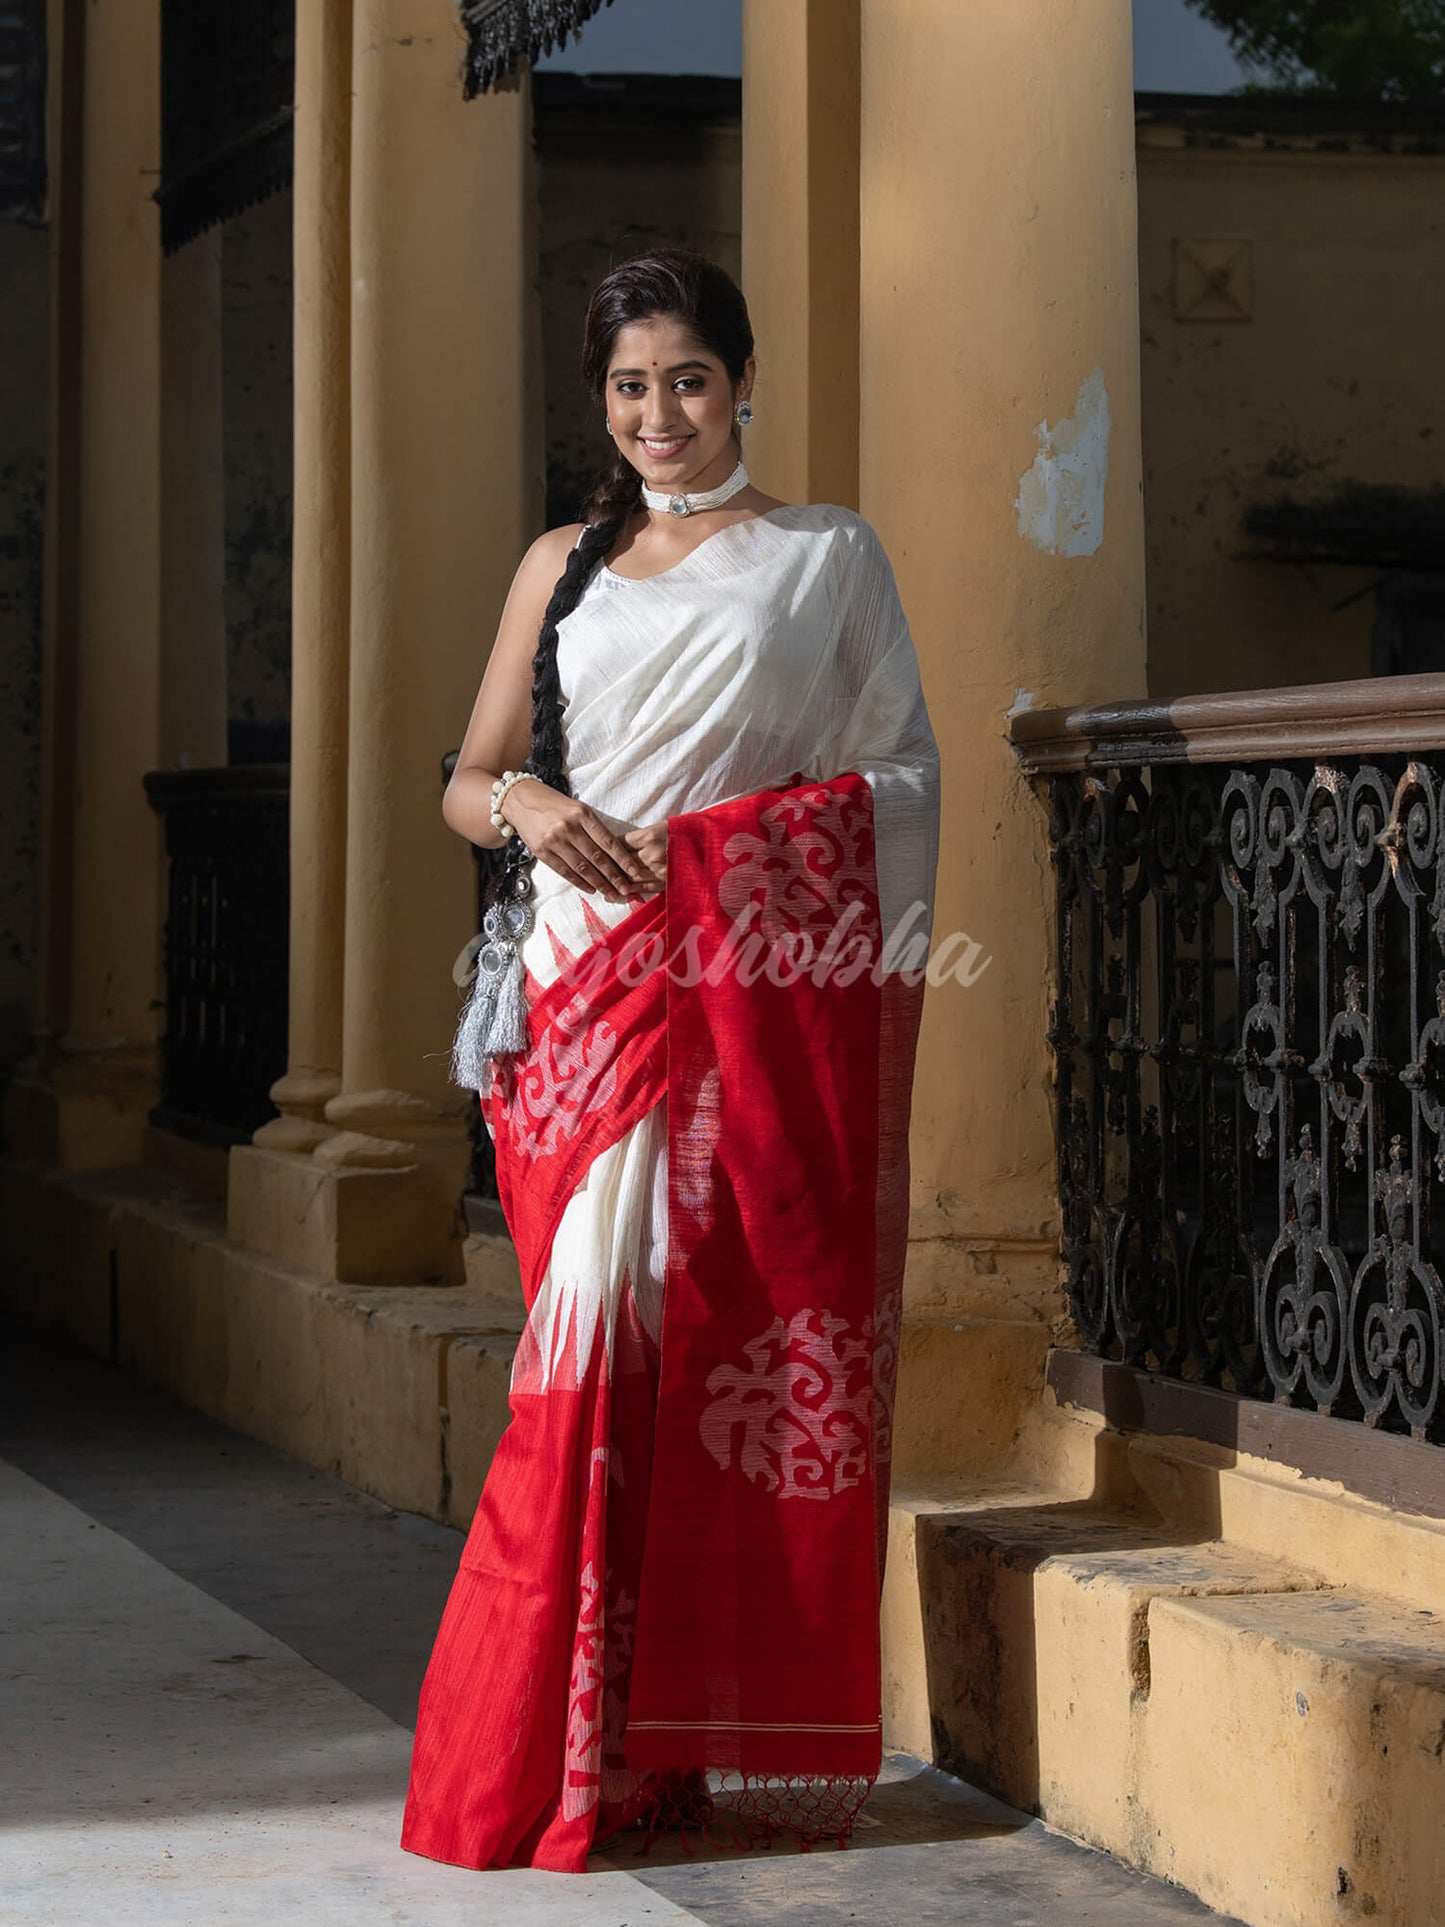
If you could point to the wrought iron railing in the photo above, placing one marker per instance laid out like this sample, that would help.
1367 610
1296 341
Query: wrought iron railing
226 946
1249 1038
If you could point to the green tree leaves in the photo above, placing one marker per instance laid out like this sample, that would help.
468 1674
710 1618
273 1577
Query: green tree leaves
1366 49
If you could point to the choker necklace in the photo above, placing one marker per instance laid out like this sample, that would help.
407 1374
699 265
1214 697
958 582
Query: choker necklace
709 498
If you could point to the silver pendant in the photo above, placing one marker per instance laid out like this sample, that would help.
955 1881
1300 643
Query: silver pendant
679 505
504 926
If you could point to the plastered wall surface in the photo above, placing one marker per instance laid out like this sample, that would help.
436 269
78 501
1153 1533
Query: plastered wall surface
1316 366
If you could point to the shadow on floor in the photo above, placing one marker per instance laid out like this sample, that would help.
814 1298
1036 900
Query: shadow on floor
353 1586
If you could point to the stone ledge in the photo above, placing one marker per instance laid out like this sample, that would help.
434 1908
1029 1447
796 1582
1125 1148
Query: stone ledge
402 1391
1402 1473
1256 1492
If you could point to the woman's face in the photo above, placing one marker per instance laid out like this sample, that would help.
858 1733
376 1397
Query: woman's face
670 406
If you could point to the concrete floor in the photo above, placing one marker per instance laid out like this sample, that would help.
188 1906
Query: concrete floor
209 1659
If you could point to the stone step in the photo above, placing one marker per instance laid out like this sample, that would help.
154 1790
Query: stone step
1201 1710
1295 1755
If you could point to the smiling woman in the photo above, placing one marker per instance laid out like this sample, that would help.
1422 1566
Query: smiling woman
702 716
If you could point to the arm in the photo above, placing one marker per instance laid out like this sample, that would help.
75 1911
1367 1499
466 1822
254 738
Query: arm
562 831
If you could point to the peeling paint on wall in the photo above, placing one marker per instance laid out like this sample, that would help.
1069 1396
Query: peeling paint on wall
1061 497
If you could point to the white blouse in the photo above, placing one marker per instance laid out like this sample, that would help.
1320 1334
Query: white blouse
779 644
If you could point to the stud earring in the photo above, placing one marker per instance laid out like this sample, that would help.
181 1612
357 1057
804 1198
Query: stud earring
744 413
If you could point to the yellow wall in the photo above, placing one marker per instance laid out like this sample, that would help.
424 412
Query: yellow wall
998 295
1332 378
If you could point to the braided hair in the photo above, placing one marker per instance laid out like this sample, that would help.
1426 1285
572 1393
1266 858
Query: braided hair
668 283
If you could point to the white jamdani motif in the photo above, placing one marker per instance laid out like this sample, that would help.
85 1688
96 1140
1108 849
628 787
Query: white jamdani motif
813 857
798 1418
569 1074
582 1774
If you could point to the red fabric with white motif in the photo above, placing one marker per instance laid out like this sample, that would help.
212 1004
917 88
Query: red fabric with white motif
674 1564
757 1638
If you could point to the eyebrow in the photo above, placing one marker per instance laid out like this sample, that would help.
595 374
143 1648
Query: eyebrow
677 368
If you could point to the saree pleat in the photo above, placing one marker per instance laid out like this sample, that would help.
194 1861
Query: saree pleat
520 1720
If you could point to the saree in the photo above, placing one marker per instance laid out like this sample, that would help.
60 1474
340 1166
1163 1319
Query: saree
672 1578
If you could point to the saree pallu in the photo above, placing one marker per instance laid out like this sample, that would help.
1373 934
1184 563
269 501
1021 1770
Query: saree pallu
674 1569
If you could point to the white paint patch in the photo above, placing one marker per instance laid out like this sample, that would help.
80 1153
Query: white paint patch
1061 498
1023 699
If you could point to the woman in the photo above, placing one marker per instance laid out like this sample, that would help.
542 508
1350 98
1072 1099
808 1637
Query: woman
668 1601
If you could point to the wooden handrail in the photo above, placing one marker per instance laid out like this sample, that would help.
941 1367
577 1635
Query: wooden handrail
1376 715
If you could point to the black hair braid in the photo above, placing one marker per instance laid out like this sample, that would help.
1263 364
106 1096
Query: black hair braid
617 495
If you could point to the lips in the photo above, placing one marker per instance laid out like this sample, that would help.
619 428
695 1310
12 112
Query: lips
663 451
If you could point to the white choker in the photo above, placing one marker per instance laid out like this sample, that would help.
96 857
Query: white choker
709 498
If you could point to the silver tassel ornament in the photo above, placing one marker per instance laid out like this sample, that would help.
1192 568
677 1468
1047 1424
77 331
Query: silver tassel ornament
494 1022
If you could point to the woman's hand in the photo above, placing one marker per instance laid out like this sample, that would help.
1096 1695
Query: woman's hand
650 843
571 839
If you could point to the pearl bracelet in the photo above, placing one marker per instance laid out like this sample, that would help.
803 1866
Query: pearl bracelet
499 792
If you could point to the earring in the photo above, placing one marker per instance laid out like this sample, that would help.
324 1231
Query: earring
608 426
744 413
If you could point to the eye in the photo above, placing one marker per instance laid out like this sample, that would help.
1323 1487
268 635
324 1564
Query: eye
628 387
691 381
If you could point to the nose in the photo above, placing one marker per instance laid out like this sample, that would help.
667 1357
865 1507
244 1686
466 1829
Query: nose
659 411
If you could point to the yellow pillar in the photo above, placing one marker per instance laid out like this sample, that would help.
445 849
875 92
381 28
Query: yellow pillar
1000 462
134 661
445 494
85 1101
320 574
800 244
441 512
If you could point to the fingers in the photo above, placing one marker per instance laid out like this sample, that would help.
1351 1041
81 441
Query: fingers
621 862
582 864
575 842
564 869
650 843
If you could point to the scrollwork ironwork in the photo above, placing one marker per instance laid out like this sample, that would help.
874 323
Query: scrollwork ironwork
1250 1007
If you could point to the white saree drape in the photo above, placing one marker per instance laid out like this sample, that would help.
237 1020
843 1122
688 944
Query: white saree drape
778 645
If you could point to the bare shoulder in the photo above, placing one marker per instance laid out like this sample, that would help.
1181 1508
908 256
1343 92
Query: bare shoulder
539 568
549 553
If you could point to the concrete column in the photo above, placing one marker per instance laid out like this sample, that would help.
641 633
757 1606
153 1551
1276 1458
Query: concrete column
85 1103
800 244
134 672
320 574
446 492
1000 462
